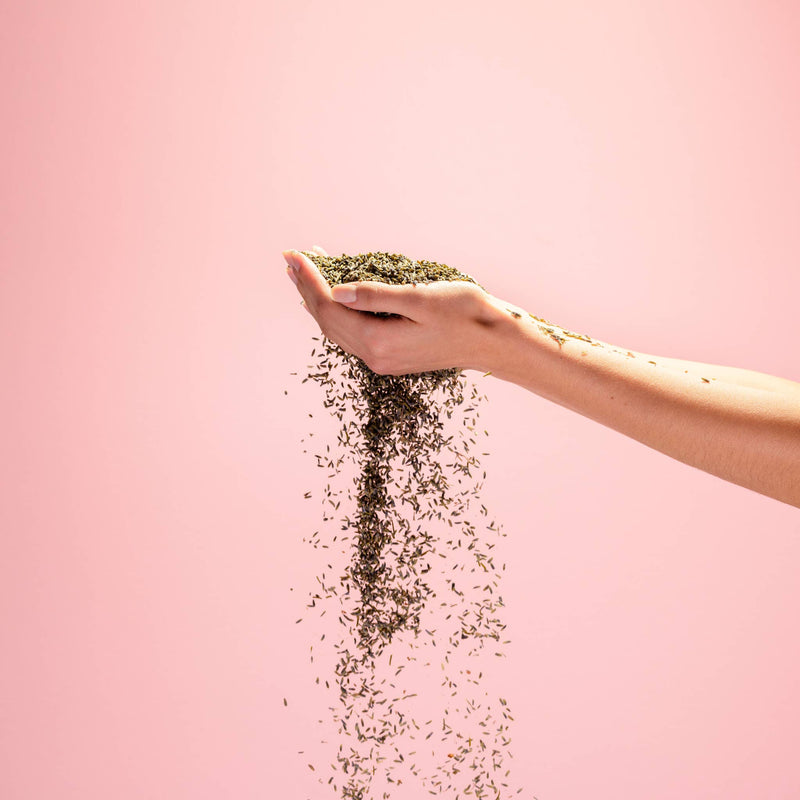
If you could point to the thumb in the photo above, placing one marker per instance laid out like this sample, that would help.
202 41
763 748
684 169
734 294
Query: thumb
404 299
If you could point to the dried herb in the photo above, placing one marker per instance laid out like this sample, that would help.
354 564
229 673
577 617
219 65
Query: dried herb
414 538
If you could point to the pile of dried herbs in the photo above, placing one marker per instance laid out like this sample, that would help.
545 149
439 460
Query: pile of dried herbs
417 553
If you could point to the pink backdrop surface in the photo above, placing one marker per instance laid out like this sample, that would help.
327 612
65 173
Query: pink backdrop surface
627 169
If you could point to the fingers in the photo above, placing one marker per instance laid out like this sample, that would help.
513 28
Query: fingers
363 296
404 299
313 288
333 318
422 332
309 277
317 249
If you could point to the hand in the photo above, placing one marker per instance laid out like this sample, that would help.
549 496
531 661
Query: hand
439 325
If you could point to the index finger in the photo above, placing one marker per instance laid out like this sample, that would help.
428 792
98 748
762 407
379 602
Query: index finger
315 290
306 270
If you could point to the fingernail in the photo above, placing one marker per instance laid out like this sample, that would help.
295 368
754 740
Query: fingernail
290 273
344 294
290 256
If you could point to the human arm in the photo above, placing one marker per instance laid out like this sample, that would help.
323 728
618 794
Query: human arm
739 425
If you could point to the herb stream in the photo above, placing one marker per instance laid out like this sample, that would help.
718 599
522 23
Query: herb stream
414 539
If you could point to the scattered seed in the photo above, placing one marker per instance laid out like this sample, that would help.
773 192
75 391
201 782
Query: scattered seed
412 475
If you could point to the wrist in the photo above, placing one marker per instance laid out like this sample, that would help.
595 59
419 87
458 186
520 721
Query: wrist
517 347
495 324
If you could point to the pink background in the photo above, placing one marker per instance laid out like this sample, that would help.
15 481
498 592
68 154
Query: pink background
629 170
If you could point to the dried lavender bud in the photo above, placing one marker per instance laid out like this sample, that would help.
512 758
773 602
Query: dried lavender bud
415 540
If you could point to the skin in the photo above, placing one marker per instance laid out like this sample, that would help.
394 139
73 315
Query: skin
739 425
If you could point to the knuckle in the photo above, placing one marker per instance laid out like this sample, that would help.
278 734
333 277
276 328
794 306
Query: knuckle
366 293
366 289
471 297
412 297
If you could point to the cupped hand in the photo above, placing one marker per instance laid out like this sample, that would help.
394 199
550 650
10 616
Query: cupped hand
439 325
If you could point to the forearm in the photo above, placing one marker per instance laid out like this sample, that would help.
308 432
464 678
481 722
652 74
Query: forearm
735 424
735 375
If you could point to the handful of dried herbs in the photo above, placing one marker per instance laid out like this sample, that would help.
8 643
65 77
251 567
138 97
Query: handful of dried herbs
414 539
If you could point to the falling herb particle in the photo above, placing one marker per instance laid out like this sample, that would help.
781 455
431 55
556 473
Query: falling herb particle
389 420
